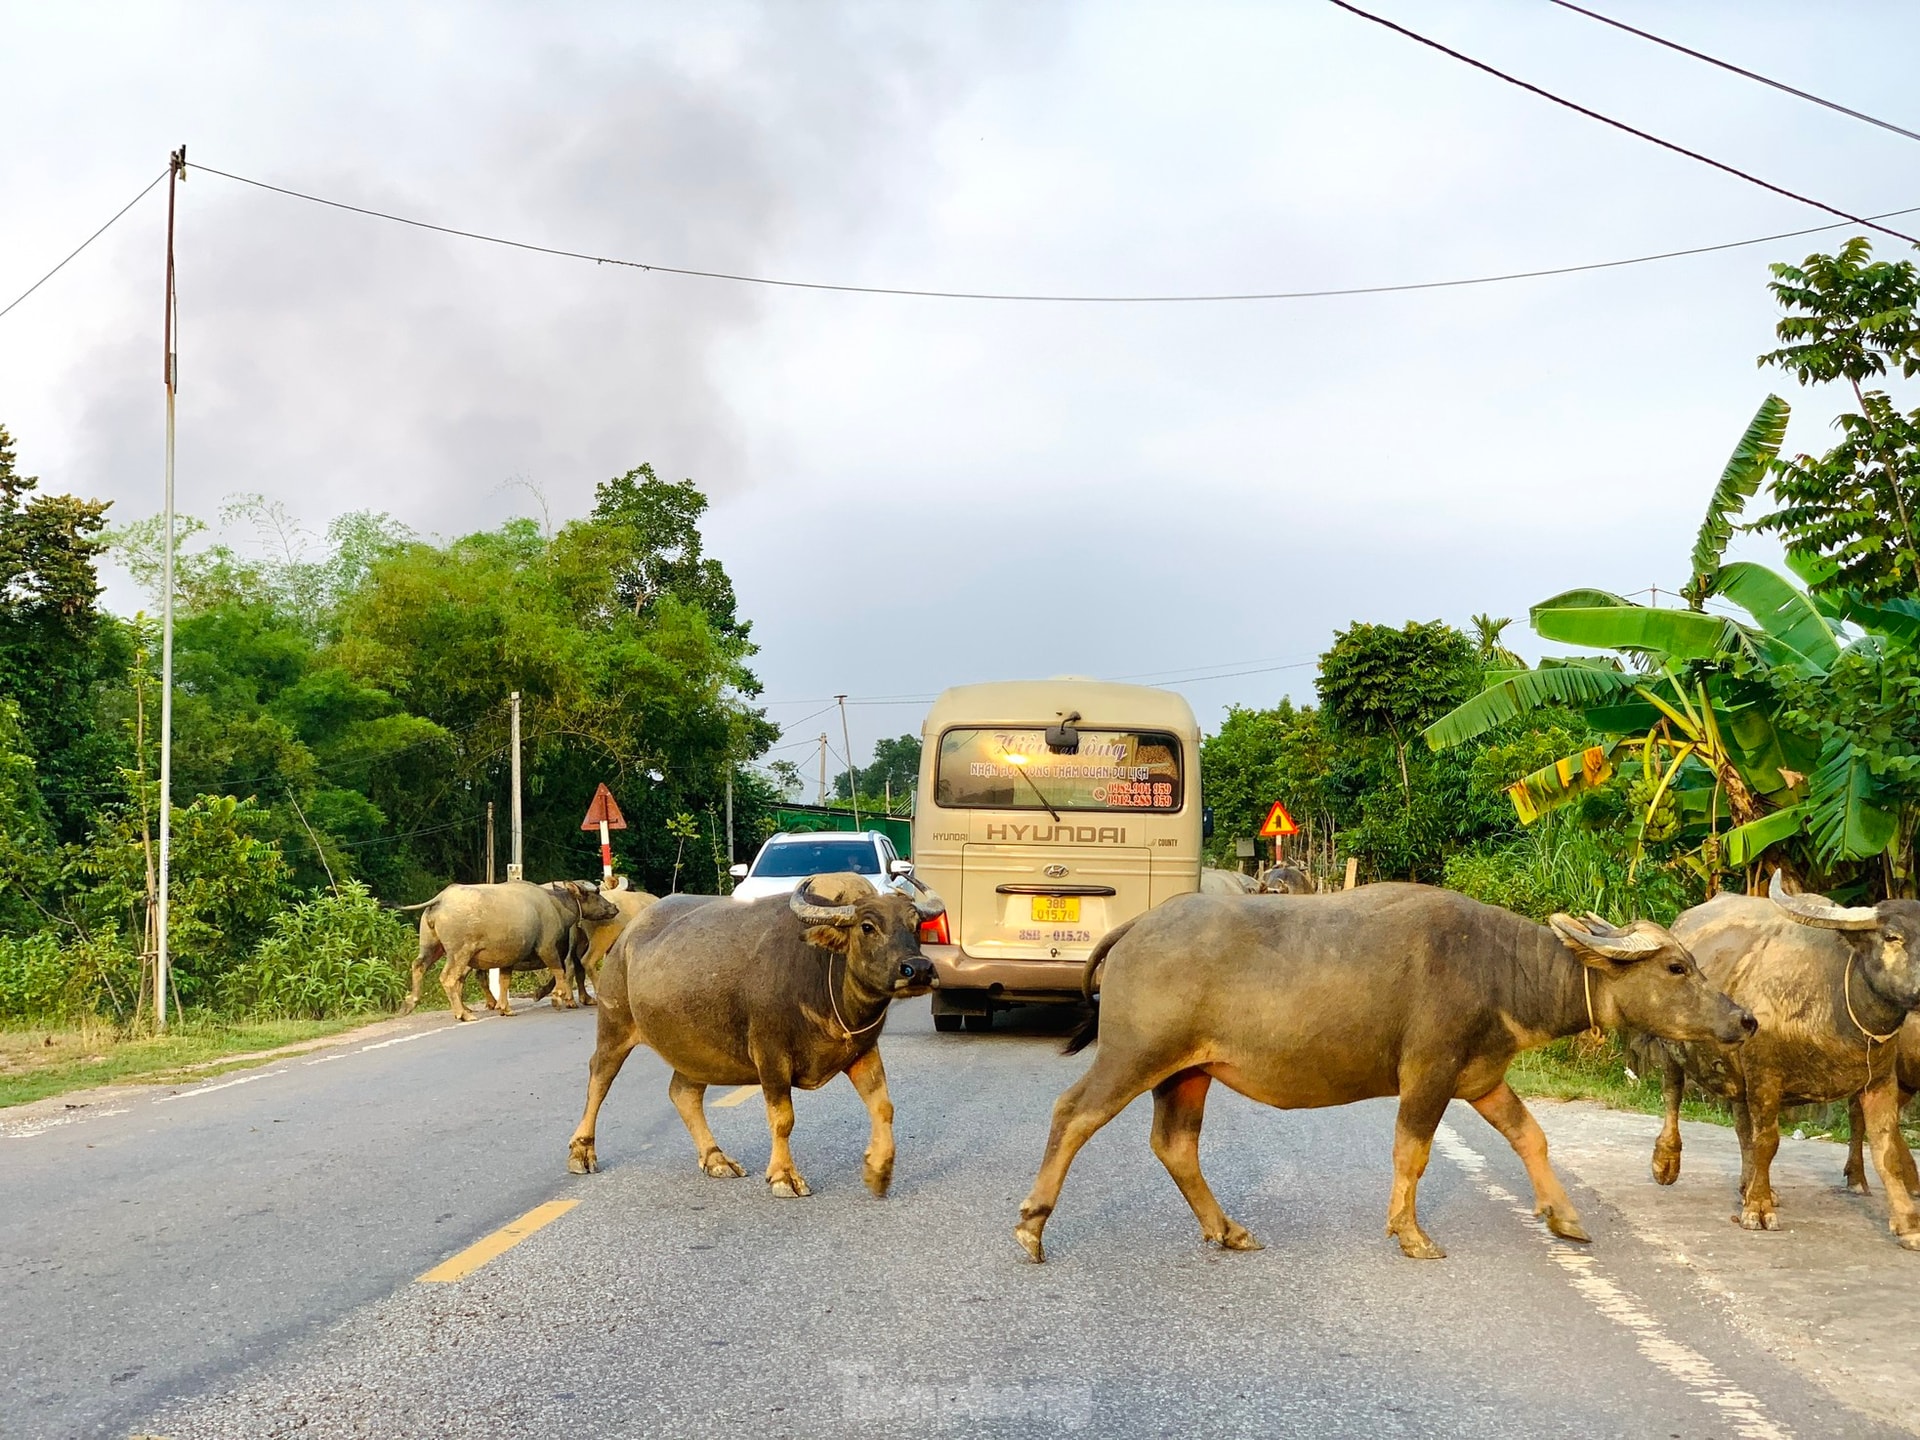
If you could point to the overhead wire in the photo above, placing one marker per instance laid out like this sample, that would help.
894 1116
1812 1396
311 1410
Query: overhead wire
1736 69
1621 125
1068 299
86 242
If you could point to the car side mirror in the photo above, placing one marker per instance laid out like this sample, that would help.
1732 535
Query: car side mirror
901 868
1206 822
738 872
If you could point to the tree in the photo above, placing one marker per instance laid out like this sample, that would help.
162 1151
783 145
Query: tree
1492 654
1851 319
894 769
657 549
1379 681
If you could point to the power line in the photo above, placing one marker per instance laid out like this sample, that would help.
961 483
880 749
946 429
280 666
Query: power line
88 241
1737 70
1199 299
1622 125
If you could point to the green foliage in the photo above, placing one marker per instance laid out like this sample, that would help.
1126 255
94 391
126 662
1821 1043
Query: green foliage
1562 866
47 981
1752 458
895 763
332 955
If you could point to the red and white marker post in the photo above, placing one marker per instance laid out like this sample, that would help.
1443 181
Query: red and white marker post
604 813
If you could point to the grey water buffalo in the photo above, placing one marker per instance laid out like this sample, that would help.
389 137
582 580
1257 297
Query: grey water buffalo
1285 880
1306 1001
786 991
592 941
504 927
1831 987
1906 1073
1225 882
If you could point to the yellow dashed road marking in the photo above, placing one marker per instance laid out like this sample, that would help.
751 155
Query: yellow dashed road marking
496 1244
736 1097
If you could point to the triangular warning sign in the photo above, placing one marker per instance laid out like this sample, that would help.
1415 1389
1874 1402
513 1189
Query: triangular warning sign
603 808
1277 823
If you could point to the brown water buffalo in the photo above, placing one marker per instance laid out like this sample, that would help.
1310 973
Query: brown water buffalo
1831 986
503 927
1906 1071
1286 880
1305 1001
786 991
591 942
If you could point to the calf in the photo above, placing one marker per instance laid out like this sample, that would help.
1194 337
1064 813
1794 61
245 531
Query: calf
781 992
1831 987
1299 1001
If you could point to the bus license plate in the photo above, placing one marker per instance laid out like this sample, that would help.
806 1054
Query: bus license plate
1056 909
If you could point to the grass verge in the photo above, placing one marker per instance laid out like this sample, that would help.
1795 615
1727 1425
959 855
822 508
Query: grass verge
38 1062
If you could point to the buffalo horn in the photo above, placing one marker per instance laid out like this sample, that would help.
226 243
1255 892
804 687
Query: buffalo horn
1604 939
1819 911
813 912
927 904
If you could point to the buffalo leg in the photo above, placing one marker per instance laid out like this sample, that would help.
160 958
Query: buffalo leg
429 952
1504 1110
618 1035
869 1077
1666 1149
1423 1101
690 1099
1880 1102
1758 1208
562 988
786 1181
453 979
1090 1102
1856 1171
1179 1105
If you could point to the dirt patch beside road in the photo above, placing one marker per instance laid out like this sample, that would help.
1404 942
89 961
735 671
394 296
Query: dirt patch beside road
1830 1293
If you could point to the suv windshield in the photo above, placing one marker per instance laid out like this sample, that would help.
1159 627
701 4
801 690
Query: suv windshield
787 858
1011 768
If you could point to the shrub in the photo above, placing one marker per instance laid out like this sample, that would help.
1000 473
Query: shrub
1560 867
333 955
44 982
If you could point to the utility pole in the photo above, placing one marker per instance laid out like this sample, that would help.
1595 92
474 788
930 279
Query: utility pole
490 842
823 768
515 871
729 812
853 775
176 172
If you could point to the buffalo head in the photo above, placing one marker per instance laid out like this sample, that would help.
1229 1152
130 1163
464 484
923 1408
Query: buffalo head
878 931
1640 977
1884 938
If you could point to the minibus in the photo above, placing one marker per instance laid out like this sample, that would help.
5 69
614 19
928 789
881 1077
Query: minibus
1048 812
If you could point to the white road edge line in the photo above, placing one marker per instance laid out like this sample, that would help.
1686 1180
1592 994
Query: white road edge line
1697 1374
223 1085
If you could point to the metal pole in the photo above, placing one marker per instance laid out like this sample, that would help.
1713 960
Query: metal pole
853 775
176 171
515 870
729 814
489 842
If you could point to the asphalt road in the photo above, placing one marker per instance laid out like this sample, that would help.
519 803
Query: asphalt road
239 1259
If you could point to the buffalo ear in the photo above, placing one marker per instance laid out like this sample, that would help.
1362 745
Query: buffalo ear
826 937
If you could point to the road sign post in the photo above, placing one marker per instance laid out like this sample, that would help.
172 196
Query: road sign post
1276 827
604 815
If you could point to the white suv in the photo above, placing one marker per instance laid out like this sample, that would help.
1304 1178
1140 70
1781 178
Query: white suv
787 859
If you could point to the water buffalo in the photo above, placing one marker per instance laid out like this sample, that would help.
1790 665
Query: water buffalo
1831 987
1304 1001
503 927
789 990
591 942
1906 1070
1225 882
1286 880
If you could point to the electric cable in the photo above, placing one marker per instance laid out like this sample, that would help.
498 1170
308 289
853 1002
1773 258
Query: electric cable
86 242
1736 69
1622 125
1196 299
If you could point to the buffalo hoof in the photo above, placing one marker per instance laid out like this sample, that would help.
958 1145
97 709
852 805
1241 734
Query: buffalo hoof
581 1159
1856 1183
1753 1218
1909 1242
721 1166
1666 1164
789 1186
1417 1246
1235 1237
878 1181
1567 1227
1030 1242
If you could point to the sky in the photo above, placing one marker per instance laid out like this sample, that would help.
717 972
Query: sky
912 493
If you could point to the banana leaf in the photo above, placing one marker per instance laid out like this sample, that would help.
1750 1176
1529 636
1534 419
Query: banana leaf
1845 816
1745 469
1580 599
1745 842
1676 634
1552 684
1895 618
1631 717
1566 779
1783 611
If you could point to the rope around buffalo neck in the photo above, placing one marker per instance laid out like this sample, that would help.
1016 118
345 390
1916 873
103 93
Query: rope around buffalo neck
833 999
1586 980
1846 992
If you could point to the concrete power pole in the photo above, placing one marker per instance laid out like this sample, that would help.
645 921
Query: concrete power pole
515 870
176 172
823 767
853 775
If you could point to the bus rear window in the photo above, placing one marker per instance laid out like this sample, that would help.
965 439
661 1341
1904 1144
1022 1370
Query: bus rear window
1012 769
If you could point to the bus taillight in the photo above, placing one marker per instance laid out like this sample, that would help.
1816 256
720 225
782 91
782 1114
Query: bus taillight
934 931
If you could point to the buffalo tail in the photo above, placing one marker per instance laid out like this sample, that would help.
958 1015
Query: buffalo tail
1089 1030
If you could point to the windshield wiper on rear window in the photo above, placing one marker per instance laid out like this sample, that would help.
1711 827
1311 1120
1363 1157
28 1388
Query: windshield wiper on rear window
1021 770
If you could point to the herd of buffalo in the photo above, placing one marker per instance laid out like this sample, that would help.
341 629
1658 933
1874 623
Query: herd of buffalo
1294 1000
